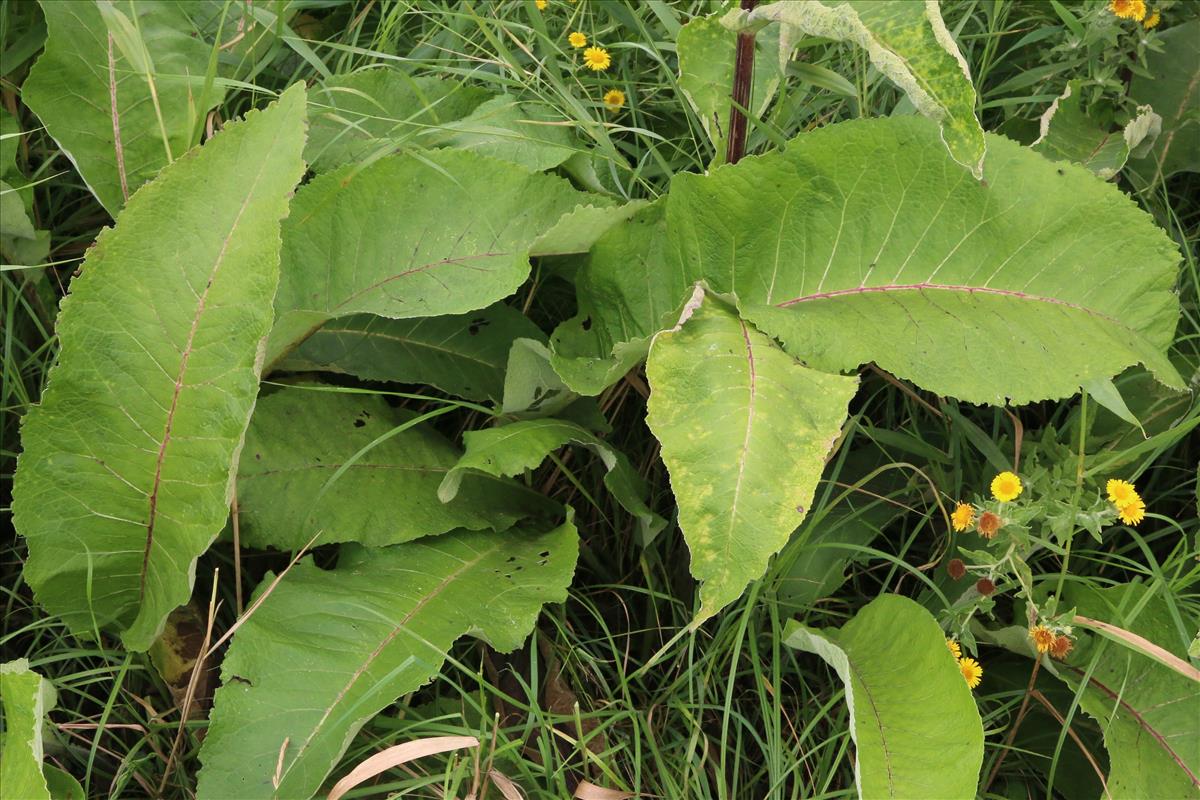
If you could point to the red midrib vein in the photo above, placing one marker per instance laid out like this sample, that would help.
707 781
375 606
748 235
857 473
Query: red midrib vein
183 365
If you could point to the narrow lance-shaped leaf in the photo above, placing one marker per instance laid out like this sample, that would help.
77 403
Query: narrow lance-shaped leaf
745 429
336 463
906 41
917 732
367 632
128 461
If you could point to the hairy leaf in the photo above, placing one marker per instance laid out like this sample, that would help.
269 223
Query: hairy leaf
745 429
917 731
1068 134
128 461
512 449
462 354
360 471
367 632
445 232
96 61
27 697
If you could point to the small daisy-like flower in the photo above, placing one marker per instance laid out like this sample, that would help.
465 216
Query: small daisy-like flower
1133 513
1006 486
989 523
1121 493
614 99
577 39
541 4
1128 9
985 586
1153 20
596 58
956 568
1042 637
963 516
971 671
954 648
1061 646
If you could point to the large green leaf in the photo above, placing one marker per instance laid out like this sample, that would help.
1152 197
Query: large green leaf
1148 712
745 429
366 633
84 71
917 732
512 449
528 134
1171 85
358 470
443 232
1069 134
463 354
908 42
27 697
128 461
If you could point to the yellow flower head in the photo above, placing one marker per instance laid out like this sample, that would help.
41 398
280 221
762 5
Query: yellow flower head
1128 9
577 39
541 4
614 99
1006 486
1042 637
963 516
971 671
989 524
1133 513
596 58
954 648
1121 493
1153 20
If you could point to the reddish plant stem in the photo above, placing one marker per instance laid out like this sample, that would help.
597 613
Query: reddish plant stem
743 78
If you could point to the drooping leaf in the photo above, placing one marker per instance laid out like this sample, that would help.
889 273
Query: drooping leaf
1170 84
367 632
92 57
128 460
530 135
442 232
1069 134
27 697
357 115
917 731
531 386
463 354
744 429
1147 711
578 230
512 449
907 42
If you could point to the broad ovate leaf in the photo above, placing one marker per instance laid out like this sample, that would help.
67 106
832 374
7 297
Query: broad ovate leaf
512 449
128 461
26 696
442 232
906 41
745 429
121 88
375 628
463 354
917 732
531 135
350 467
1068 134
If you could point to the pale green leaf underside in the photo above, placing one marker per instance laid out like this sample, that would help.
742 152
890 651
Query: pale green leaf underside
70 89
744 430
531 386
512 449
441 232
906 41
361 636
916 729
578 230
289 486
463 354
27 696
127 465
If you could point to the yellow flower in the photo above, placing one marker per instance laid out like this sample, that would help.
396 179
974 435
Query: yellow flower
963 516
614 99
596 58
1133 513
1153 20
577 39
1121 493
1006 486
954 648
541 4
1128 9
1042 637
971 671
989 524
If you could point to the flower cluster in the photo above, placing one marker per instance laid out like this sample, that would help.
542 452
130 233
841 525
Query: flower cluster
1053 640
1005 487
971 670
597 59
1136 11
1131 509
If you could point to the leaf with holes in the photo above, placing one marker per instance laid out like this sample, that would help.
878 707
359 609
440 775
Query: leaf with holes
917 732
128 461
745 429
375 628
354 468
1069 134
